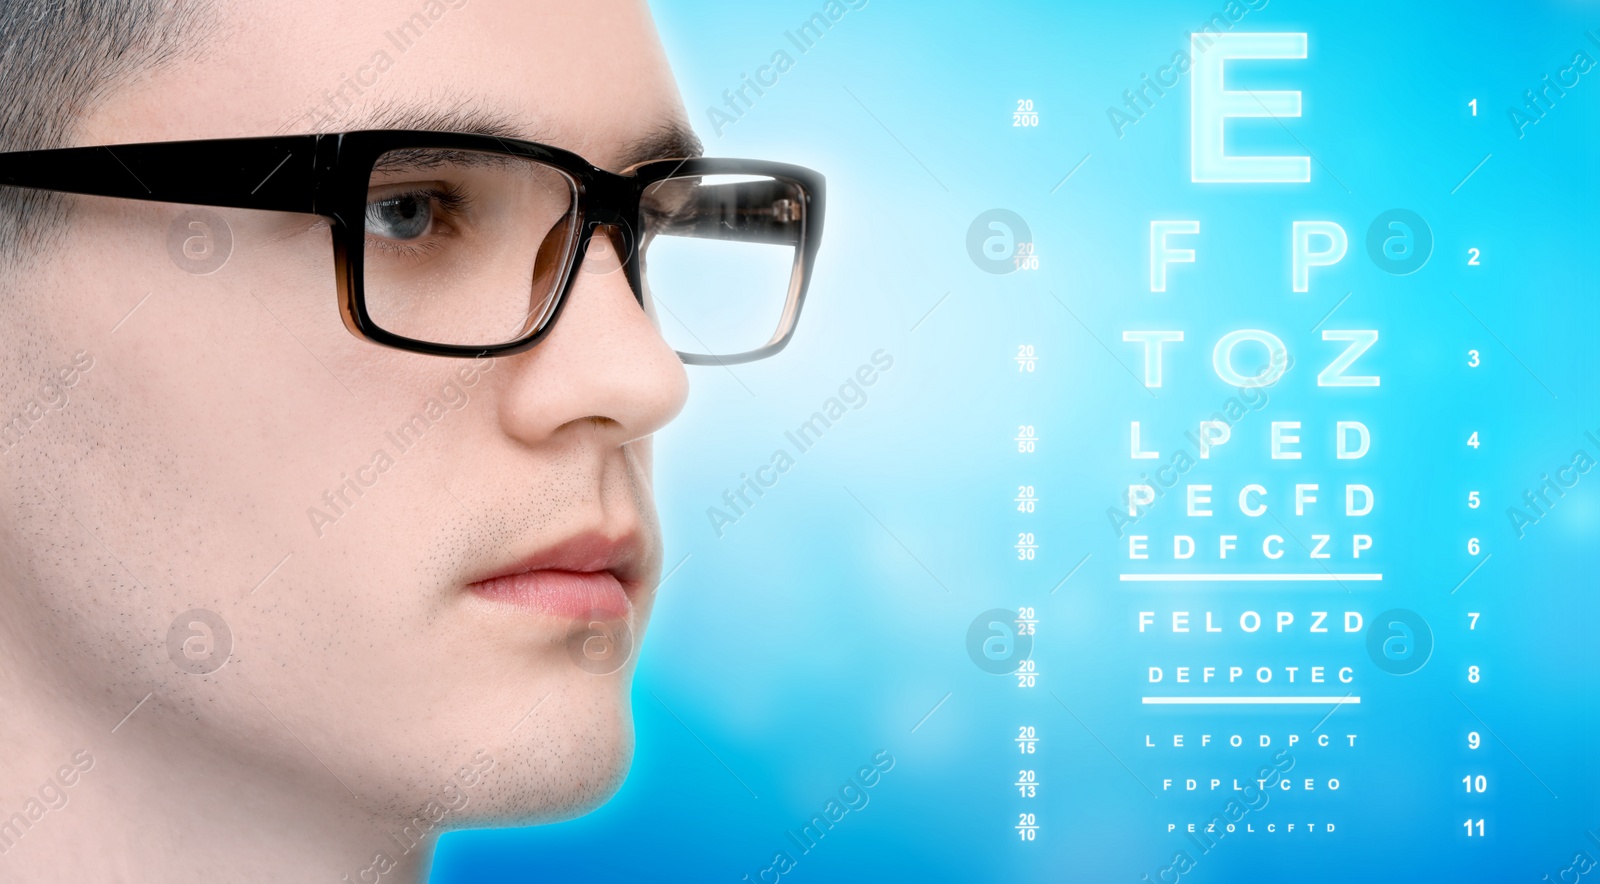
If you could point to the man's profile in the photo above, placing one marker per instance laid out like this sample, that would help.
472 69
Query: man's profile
335 338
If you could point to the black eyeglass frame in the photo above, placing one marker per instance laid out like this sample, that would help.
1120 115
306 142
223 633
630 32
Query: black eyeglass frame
328 175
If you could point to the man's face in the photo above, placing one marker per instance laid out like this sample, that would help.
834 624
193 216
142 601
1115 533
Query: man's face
231 447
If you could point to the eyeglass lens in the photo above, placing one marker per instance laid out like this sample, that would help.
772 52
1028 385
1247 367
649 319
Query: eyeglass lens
472 248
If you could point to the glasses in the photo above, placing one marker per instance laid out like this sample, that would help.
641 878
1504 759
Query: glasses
465 245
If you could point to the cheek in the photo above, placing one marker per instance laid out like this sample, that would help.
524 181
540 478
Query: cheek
215 413
218 392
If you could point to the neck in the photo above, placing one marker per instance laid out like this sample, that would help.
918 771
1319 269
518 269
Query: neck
153 801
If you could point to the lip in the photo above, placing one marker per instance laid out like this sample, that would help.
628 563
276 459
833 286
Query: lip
588 574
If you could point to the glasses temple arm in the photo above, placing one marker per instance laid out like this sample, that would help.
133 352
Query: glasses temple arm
274 174
771 212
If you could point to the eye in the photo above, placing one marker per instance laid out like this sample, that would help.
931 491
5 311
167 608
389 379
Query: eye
401 217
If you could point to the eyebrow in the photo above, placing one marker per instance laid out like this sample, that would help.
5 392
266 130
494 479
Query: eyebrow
670 140
457 117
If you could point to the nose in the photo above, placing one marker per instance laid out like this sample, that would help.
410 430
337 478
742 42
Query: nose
604 368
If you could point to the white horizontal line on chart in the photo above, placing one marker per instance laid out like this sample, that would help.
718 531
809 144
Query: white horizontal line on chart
1246 701
1252 578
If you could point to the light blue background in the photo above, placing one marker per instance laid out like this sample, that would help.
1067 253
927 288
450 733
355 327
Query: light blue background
831 618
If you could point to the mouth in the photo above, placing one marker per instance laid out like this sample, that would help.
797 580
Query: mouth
587 575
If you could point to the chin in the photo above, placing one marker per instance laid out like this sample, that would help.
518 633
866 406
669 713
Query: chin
564 762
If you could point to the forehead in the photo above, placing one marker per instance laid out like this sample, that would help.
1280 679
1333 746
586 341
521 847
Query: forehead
588 76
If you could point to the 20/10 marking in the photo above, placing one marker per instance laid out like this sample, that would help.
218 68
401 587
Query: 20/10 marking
1027 826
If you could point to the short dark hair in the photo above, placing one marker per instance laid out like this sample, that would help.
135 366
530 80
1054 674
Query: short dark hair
58 60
